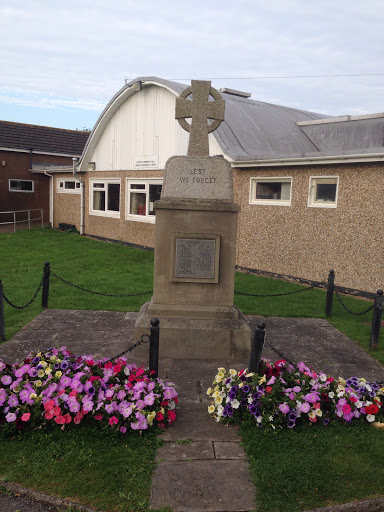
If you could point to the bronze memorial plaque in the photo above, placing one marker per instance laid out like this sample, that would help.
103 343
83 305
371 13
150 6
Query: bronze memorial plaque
196 258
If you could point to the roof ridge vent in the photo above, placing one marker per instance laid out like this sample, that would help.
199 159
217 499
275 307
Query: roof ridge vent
233 92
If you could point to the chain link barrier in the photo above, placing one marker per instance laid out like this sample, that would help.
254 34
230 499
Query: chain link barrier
98 293
139 342
348 310
279 294
380 383
28 303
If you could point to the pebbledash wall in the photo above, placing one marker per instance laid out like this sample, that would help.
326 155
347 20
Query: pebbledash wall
304 241
296 240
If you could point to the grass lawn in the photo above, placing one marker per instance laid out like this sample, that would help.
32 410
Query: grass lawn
90 466
314 466
293 469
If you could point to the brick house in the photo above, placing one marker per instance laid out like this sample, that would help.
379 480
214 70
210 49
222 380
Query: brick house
23 147
310 186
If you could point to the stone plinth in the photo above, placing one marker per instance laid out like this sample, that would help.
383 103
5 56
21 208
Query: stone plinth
195 250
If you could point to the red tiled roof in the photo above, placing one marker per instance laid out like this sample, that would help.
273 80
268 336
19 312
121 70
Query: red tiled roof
42 138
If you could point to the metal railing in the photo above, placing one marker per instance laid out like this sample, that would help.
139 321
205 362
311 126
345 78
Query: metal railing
28 220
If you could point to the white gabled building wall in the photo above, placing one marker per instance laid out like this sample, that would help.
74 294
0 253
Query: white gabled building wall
140 125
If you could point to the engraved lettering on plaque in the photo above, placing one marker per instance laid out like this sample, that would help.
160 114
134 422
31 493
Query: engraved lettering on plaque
195 258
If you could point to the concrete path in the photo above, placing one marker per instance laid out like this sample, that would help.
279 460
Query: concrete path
202 466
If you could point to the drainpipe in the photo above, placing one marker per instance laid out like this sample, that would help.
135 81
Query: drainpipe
81 196
50 197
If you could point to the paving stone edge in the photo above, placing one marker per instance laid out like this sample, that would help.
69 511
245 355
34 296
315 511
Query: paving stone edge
46 499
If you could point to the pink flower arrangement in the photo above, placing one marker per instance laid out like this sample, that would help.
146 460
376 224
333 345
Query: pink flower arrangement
57 387
283 395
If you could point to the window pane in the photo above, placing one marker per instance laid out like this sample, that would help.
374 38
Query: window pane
98 185
137 203
154 195
26 185
269 190
70 184
138 186
113 197
99 200
13 184
326 192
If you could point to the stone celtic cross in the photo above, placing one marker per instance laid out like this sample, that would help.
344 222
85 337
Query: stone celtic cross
200 109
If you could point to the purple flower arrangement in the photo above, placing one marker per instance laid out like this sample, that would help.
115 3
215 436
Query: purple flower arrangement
59 388
282 395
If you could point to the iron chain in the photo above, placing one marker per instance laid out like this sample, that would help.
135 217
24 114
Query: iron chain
26 305
99 293
139 342
349 311
278 294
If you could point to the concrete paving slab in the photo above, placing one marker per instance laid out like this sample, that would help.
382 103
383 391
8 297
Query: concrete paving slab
193 422
210 486
186 450
229 450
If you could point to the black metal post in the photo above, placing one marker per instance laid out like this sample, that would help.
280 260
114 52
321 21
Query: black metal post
376 321
154 347
330 289
2 324
46 273
257 346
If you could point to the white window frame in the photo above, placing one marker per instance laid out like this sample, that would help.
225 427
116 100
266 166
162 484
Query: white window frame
61 186
313 181
271 202
146 182
18 190
105 182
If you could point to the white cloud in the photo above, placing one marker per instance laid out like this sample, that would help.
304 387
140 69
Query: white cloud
77 53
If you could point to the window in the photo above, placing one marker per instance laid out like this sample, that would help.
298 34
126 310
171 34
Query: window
21 186
273 191
68 186
141 195
105 198
323 191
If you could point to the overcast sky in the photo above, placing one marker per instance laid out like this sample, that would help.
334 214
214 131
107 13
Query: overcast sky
62 61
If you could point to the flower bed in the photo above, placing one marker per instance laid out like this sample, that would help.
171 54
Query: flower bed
57 387
283 395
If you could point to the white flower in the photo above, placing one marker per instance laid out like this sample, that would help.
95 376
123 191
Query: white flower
370 418
221 370
211 409
312 382
220 410
241 384
232 372
312 414
319 412
250 400
209 391
126 371
358 404
218 399
368 387
259 419
270 418
323 377
235 404
215 394
340 394
331 394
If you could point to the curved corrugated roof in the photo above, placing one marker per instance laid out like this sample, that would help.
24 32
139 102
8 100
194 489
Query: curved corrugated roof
255 130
